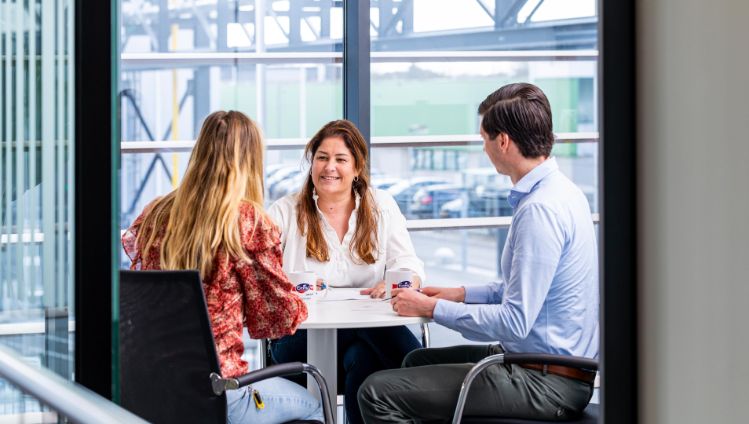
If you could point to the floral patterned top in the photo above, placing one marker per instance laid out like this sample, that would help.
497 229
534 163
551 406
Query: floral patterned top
256 293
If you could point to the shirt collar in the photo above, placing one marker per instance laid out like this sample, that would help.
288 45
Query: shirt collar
529 182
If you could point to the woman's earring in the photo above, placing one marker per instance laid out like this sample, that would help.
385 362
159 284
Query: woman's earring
356 179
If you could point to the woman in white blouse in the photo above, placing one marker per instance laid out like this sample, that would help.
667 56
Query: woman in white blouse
348 234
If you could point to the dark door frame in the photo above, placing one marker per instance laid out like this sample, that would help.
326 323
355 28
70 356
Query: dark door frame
96 193
618 226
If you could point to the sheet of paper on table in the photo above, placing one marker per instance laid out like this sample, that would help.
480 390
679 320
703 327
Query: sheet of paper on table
338 295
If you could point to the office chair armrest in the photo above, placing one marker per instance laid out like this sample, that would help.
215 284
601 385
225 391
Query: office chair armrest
220 385
280 370
516 358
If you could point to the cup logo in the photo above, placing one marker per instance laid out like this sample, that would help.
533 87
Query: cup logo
402 285
302 287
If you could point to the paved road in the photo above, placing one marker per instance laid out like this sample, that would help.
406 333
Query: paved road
468 256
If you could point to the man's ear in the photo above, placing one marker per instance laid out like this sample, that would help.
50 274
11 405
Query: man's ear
504 141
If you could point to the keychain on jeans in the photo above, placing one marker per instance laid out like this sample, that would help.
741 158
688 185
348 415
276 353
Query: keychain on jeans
259 404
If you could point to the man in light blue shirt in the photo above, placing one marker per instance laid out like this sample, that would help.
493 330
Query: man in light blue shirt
547 301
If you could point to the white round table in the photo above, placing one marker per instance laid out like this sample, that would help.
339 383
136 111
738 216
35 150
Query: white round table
341 308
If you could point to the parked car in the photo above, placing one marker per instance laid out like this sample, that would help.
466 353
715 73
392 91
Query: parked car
404 191
280 174
272 168
375 173
286 186
489 201
480 201
384 183
492 201
427 201
488 193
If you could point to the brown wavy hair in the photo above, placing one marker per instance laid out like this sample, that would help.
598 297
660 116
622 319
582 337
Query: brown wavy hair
523 112
365 240
202 214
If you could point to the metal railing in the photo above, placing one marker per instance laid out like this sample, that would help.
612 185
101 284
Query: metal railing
467 223
170 60
77 403
145 146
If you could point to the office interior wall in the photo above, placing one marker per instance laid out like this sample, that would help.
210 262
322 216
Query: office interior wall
693 201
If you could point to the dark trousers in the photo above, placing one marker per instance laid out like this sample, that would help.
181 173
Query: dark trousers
427 387
361 352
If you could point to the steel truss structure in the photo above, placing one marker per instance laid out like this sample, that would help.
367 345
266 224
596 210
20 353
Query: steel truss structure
393 26
390 21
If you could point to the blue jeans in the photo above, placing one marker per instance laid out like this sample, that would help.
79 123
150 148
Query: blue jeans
284 401
361 352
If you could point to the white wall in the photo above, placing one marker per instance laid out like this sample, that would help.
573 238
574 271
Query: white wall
693 153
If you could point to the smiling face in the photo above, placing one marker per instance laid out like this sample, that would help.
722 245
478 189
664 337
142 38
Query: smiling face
333 168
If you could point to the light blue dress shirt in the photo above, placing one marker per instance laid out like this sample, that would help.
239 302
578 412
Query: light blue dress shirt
547 301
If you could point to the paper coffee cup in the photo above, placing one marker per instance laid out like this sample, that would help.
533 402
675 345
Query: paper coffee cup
397 279
303 281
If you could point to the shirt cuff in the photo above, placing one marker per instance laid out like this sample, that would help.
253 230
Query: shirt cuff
446 312
477 294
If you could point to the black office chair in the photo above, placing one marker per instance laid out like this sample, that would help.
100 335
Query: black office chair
168 363
589 415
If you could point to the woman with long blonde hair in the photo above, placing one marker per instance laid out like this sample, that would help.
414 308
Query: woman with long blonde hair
214 222
348 233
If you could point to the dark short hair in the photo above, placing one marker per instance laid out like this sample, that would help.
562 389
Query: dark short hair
521 111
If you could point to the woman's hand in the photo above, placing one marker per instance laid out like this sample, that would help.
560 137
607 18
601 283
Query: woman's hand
375 292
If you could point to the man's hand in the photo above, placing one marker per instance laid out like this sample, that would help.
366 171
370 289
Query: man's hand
375 292
455 294
412 303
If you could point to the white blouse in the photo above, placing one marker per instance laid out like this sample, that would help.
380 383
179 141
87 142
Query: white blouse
394 249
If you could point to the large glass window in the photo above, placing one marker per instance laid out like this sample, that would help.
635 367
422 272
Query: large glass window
279 62
431 106
432 63
36 186
181 61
